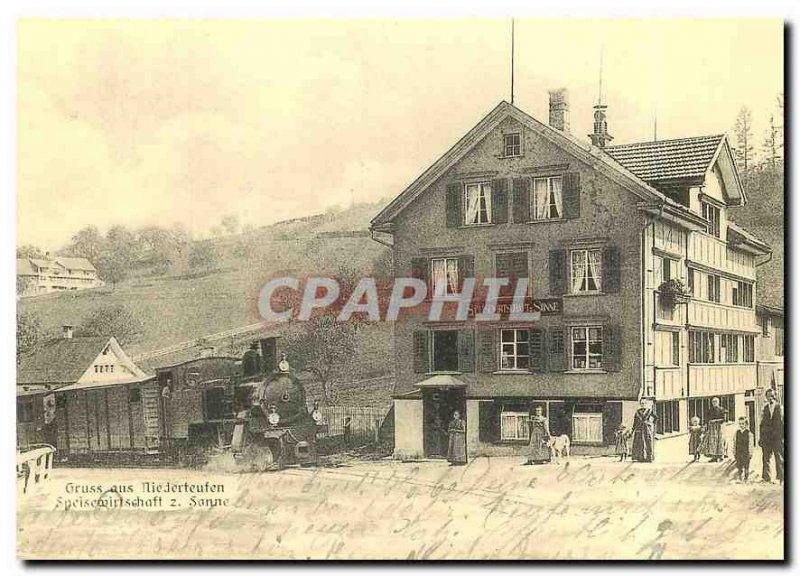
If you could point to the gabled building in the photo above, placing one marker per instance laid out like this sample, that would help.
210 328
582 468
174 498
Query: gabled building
44 275
84 369
599 231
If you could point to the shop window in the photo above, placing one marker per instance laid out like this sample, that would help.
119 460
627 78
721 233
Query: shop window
667 417
700 406
587 427
514 425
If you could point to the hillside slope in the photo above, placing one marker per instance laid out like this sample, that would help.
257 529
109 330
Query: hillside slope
177 308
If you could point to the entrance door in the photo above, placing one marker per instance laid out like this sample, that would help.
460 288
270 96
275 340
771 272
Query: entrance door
438 406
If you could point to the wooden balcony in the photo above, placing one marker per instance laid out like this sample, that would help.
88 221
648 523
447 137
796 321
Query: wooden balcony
714 253
722 317
669 382
710 379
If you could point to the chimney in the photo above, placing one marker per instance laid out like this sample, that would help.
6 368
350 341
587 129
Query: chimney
600 135
559 109
269 354
67 331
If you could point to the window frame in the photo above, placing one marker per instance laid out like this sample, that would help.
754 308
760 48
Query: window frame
447 284
521 420
25 411
598 281
588 416
516 342
587 356
668 412
551 206
506 145
484 189
713 215
432 352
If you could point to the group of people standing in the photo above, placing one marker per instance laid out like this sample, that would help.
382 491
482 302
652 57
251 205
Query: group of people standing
638 442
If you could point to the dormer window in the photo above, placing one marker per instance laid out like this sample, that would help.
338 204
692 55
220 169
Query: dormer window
711 213
512 145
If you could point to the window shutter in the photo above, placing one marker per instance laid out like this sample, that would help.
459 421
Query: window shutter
500 201
558 271
522 201
612 271
519 266
454 211
466 268
488 350
612 417
420 268
421 356
466 351
612 348
536 343
557 354
558 419
571 194
488 422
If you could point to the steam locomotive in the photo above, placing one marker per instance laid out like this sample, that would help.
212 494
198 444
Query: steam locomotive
274 427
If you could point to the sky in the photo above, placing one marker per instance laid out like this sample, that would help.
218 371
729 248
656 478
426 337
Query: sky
138 122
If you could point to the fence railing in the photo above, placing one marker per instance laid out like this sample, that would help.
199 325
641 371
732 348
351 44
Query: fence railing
34 466
362 419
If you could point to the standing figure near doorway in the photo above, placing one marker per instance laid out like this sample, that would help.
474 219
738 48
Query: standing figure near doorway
457 444
714 441
644 426
539 444
771 437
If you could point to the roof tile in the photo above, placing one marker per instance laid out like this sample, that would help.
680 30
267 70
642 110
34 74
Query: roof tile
667 159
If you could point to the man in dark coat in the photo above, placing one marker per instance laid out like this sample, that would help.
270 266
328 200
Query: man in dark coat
771 436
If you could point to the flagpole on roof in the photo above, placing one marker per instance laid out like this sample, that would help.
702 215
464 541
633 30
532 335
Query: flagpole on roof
512 61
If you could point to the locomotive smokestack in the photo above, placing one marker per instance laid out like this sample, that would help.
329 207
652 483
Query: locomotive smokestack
269 354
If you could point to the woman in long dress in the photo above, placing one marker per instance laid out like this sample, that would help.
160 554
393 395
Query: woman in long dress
714 443
644 425
457 441
539 444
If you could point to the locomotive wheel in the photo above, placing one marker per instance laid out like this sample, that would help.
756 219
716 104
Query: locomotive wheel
256 458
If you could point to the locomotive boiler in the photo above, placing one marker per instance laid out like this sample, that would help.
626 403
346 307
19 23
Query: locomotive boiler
274 428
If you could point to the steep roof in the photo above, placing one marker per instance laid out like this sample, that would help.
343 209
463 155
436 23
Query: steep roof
75 263
678 159
60 360
593 155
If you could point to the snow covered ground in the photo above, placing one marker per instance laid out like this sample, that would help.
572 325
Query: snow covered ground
492 508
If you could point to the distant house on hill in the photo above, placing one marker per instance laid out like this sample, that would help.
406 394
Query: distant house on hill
43 275
69 364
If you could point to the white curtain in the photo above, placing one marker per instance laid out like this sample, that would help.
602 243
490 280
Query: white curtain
594 269
578 270
452 275
473 197
555 191
486 200
439 273
540 198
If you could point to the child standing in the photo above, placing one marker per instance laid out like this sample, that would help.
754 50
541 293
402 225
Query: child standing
695 437
743 450
622 436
